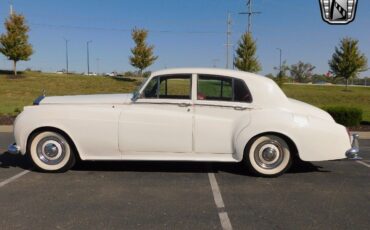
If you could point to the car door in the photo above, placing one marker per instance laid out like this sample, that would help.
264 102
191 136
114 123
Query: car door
161 119
221 106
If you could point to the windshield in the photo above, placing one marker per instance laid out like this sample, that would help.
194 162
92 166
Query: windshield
137 90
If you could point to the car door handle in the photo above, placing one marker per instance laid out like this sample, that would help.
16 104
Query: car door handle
184 104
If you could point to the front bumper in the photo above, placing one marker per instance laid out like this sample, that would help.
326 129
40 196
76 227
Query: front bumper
14 149
353 152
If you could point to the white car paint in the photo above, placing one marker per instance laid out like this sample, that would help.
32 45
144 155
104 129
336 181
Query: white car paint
113 127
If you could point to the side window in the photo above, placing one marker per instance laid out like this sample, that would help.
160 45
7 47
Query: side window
241 91
175 87
214 88
169 87
218 88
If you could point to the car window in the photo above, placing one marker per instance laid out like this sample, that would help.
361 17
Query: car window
169 87
219 88
214 88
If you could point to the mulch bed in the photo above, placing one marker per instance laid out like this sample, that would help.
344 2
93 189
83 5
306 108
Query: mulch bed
8 120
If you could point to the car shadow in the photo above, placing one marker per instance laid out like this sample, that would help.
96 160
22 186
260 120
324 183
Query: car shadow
8 160
184 167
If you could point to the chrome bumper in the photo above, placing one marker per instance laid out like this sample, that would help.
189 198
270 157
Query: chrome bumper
14 149
353 152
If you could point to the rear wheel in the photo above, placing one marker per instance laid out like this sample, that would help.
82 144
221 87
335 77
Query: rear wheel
268 156
51 152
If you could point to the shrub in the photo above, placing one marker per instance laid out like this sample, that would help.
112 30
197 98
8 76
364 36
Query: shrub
347 116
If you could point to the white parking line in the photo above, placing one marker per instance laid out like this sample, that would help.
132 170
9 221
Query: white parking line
224 218
363 163
13 178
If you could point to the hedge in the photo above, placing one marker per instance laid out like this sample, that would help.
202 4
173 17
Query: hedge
347 116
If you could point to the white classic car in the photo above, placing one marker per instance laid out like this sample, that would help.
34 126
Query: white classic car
189 114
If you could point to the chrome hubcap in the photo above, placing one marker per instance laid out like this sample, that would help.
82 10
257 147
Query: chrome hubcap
269 154
51 150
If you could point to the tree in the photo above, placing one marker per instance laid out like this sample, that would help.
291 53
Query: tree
142 54
301 72
14 43
246 59
347 61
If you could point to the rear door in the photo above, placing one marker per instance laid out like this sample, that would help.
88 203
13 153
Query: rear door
220 104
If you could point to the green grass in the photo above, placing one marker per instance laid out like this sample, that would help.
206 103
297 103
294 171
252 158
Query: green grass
16 93
332 96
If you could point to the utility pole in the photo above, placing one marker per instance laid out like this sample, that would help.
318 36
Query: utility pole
228 44
88 57
66 40
250 14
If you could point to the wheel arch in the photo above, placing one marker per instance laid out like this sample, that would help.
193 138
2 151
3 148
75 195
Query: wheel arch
52 129
292 145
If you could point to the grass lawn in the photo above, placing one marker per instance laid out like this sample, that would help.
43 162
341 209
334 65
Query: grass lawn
332 96
16 93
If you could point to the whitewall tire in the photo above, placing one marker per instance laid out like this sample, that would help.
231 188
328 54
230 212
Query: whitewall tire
51 152
268 156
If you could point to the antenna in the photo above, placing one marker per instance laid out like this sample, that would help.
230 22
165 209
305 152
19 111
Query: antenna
250 14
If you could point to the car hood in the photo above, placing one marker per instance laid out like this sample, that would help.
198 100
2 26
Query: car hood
300 107
88 99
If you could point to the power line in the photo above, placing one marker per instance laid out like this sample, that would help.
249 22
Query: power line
53 26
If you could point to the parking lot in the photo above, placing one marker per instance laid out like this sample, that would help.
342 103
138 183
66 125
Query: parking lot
169 195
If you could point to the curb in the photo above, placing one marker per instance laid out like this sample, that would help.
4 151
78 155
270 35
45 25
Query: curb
363 135
6 128
9 129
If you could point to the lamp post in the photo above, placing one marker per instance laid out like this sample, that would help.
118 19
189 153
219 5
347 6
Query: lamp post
88 57
66 40
280 55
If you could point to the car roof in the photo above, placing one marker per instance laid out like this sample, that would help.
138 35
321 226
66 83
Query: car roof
213 71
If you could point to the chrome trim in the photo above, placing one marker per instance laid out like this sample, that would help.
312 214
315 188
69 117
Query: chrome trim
14 149
353 152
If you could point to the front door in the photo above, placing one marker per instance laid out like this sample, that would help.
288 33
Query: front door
161 120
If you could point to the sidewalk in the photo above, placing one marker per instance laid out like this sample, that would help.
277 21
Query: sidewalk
9 129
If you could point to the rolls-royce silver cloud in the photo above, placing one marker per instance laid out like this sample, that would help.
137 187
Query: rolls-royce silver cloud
191 114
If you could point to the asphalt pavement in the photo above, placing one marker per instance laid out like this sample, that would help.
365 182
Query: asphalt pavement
175 195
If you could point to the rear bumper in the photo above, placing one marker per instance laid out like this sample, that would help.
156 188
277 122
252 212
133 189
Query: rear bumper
14 149
353 152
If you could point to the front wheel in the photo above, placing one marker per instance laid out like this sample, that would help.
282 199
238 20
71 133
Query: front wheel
51 152
268 156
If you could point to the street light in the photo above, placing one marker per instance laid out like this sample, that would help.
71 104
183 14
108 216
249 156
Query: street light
66 40
88 58
281 53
